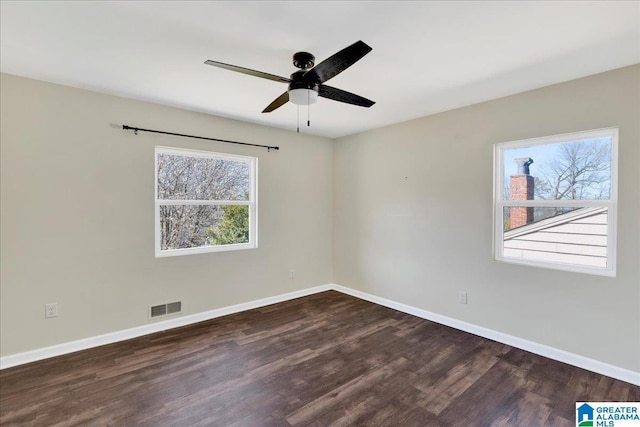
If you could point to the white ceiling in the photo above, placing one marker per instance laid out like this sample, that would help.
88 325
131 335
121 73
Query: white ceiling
427 57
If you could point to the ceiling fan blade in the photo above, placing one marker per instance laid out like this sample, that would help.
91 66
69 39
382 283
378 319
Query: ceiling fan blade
337 63
248 71
277 103
343 96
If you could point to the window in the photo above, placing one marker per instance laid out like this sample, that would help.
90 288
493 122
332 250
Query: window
205 202
555 201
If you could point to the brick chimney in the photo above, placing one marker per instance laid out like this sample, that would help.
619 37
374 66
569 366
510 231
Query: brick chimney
521 188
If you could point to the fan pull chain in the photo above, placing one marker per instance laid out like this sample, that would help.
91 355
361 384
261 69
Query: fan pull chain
308 108
298 129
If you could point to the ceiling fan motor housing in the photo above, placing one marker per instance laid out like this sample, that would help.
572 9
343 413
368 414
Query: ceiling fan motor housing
303 60
301 90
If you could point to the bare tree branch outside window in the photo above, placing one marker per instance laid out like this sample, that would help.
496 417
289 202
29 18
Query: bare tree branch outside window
577 170
189 179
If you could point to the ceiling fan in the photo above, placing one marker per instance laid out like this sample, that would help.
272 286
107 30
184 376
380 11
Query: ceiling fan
307 84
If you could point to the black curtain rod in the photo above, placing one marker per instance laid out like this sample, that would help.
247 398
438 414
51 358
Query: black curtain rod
126 127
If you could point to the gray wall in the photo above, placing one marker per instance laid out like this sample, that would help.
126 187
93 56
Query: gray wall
77 217
419 240
78 220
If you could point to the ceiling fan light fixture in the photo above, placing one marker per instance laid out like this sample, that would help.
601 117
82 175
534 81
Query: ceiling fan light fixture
303 96
306 84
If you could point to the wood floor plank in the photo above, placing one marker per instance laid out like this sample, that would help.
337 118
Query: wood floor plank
440 391
345 392
323 360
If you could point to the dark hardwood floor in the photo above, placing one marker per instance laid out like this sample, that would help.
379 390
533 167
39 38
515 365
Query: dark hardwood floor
326 359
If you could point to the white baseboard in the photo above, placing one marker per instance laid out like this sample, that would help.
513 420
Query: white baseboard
83 344
540 349
530 346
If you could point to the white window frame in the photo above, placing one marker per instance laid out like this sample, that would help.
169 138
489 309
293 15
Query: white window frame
252 203
499 203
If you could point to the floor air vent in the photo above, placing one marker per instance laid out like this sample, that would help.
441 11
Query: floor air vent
165 309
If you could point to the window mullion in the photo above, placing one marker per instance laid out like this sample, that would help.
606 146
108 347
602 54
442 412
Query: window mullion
554 203
168 202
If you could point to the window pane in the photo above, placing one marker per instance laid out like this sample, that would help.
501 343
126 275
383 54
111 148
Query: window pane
519 216
193 226
200 178
576 236
576 170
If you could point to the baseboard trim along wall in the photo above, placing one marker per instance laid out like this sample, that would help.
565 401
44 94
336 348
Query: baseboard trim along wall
540 349
83 344
530 346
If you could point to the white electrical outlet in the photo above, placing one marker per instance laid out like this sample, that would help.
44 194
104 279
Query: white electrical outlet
292 274
462 297
51 310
